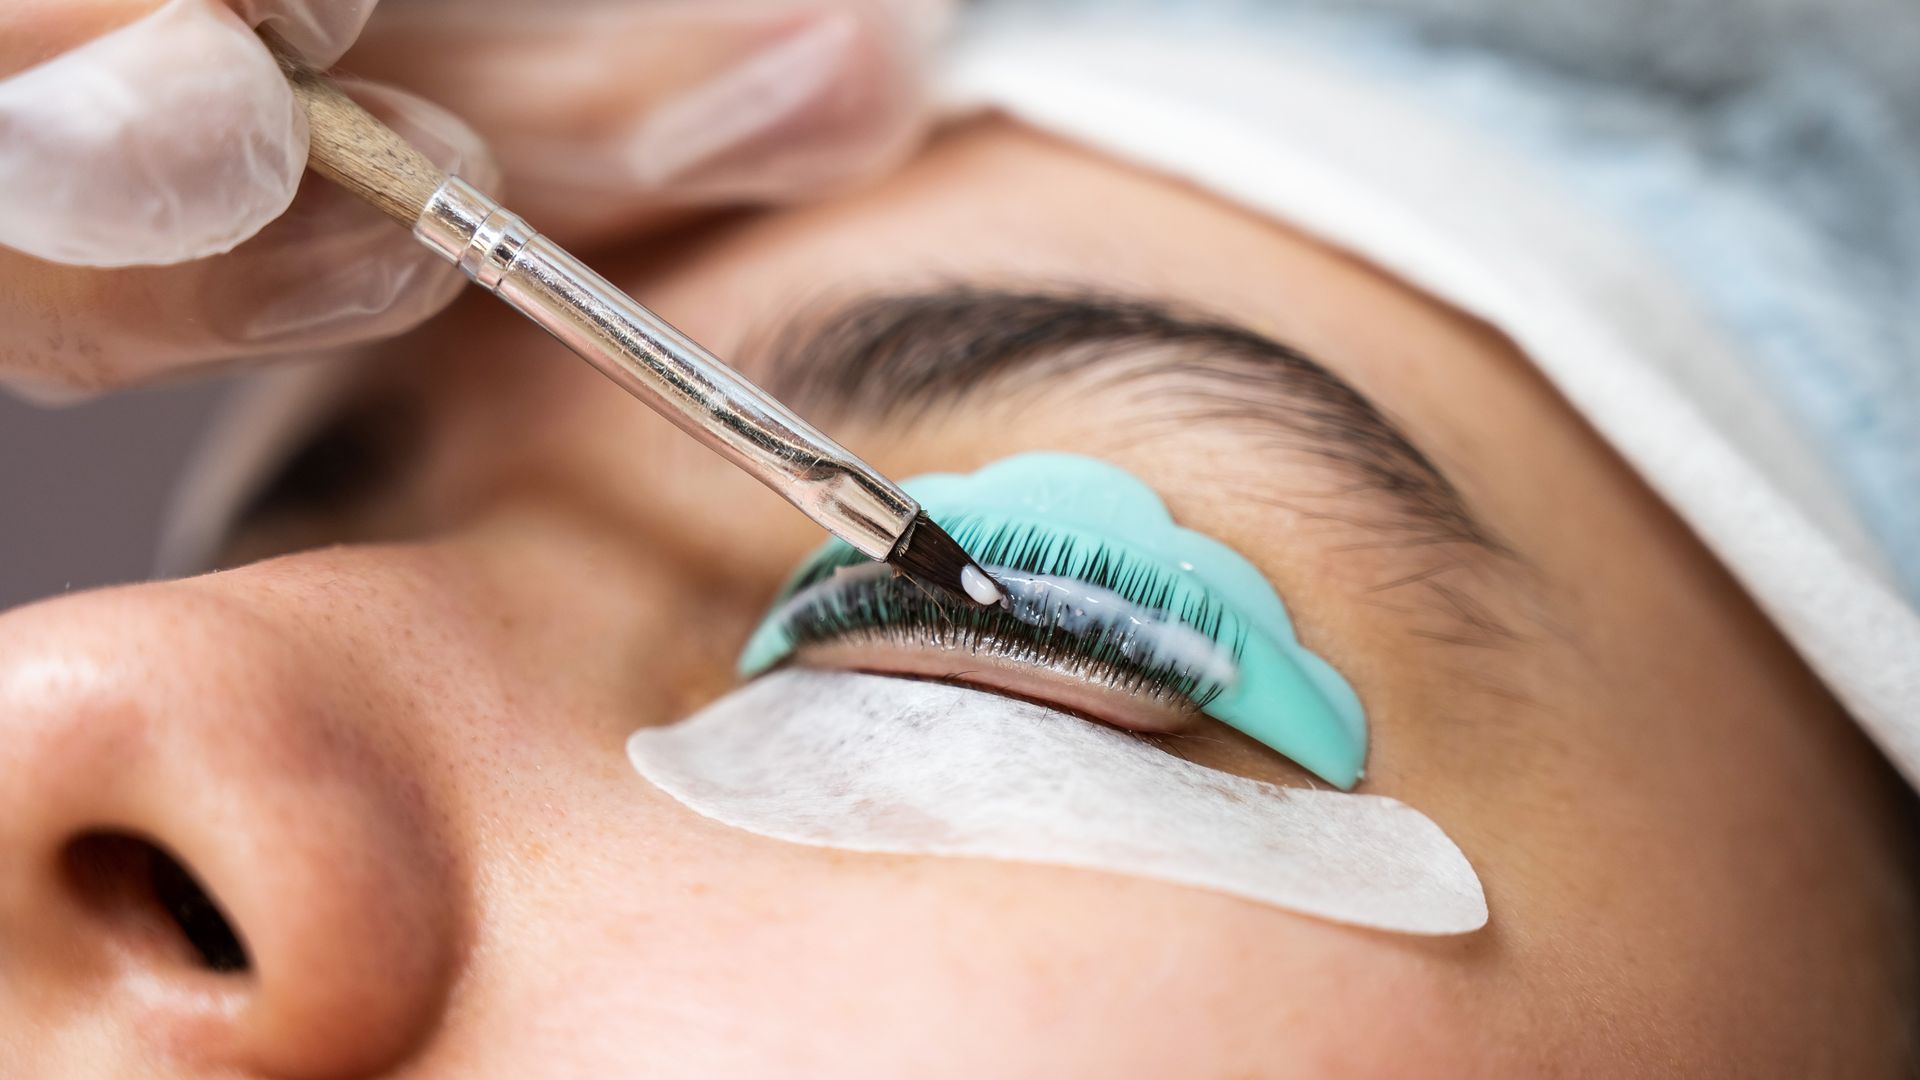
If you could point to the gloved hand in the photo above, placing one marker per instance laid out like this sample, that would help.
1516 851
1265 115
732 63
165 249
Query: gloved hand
608 113
150 152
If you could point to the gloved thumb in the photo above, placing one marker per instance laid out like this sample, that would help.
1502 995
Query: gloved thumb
170 138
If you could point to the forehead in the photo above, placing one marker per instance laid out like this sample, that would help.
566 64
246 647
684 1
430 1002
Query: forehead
993 203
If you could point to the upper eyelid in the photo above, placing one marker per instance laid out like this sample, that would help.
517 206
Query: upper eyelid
1114 582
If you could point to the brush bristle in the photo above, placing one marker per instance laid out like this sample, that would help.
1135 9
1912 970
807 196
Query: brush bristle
934 559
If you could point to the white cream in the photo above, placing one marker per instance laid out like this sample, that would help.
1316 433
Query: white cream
980 587
1143 635
871 763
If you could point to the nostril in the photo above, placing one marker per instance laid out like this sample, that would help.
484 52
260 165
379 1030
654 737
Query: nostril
152 901
198 917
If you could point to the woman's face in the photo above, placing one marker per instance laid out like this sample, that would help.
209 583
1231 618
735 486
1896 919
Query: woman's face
392 753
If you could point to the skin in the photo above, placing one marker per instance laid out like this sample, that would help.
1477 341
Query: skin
395 759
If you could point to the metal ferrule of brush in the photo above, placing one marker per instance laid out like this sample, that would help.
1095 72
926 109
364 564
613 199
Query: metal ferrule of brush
665 368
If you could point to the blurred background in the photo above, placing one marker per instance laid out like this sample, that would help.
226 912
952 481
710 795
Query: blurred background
83 488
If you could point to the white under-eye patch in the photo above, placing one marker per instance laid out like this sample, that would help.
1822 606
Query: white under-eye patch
871 763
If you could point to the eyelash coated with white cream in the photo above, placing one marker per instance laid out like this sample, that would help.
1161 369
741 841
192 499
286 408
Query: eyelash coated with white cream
1140 634
1145 636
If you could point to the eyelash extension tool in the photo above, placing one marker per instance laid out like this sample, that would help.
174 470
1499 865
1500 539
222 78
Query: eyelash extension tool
629 344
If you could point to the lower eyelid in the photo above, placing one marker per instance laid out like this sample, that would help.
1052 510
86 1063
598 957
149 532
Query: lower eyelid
983 669
1183 733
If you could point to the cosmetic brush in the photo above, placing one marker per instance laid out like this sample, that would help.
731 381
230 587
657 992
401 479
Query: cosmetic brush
637 349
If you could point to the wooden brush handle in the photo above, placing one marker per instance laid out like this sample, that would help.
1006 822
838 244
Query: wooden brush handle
351 148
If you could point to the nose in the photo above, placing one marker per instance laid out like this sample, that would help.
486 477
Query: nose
212 860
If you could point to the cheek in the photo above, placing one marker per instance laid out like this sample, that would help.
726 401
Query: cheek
749 957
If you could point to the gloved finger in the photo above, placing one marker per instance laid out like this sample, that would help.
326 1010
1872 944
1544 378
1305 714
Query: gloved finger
171 137
135 132
319 30
603 115
331 271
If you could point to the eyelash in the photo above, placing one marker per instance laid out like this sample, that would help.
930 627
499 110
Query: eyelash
349 458
896 611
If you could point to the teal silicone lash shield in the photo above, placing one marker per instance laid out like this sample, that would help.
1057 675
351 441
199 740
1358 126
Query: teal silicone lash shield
1098 577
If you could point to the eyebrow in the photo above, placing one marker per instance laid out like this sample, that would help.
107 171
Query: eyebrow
895 359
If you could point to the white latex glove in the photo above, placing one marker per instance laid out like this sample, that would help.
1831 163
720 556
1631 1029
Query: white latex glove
137 133
169 148
607 114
